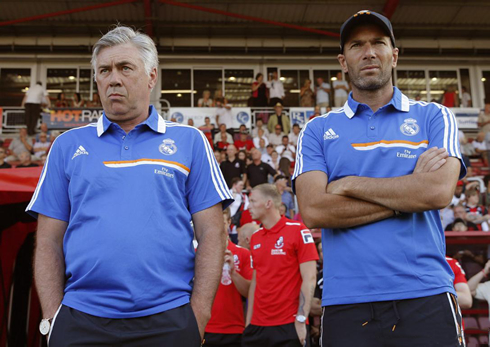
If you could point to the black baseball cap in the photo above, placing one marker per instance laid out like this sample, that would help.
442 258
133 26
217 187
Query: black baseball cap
365 17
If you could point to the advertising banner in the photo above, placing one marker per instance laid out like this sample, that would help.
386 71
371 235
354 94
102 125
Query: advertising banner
240 115
68 118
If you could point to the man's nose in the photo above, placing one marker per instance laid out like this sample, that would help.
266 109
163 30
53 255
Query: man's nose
115 78
369 51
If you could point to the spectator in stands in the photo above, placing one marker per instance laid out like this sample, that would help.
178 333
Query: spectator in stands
481 291
44 129
460 216
244 142
32 101
259 92
340 90
476 212
459 197
223 135
287 199
285 149
95 102
18 145
26 160
262 147
282 210
266 157
465 97
218 96
275 160
484 118
260 136
293 135
450 98
206 100
207 126
275 138
227 321
245 234
258 171
278 118
259 124
223 113
317 112
241 202
276 89
232 167
62 101
284 275
486 193
322 91
78 100
217 156
190 122
3 155
460 283
306 94
42 146
479 144
242 155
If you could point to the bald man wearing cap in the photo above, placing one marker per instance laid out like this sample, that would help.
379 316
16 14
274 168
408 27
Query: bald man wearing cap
373 175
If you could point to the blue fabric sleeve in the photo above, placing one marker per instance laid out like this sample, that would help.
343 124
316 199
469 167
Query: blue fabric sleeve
51 195
309 154
443 132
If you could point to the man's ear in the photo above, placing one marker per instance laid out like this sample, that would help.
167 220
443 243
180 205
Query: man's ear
395 57
343 65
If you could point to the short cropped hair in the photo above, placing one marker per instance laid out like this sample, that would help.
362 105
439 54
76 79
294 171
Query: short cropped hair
121 35
270 191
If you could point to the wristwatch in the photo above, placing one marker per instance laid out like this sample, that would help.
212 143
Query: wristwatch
300 318
45 325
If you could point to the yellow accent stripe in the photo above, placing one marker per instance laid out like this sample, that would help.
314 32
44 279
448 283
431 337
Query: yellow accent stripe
152 160
389 142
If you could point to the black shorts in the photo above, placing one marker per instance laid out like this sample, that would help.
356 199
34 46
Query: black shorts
176 327
222 340
422 322
273 336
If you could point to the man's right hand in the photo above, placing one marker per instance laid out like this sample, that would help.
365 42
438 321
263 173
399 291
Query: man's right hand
431 160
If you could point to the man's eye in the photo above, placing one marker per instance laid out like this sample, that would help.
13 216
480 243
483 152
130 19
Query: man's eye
126 68
103 70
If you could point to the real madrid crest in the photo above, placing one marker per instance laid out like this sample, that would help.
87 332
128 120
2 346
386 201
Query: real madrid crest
168 147
410 127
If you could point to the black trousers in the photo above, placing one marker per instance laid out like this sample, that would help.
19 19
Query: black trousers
423 322
32 113
222 340
273 336
176 327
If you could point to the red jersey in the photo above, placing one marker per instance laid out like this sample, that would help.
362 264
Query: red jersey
244 145
227 312
276 256
459 275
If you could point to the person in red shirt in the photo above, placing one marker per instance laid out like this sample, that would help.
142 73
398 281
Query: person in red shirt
284 275
227 321
244 143
460 284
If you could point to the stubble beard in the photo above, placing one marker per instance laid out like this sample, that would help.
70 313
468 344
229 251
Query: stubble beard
370 83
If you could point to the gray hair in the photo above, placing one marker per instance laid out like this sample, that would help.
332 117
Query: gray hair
121 35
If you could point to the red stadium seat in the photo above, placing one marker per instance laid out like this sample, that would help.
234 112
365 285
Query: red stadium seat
484 340
484 323
473 342
470 323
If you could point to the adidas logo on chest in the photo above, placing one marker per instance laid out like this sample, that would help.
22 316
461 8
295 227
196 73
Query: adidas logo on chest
80 150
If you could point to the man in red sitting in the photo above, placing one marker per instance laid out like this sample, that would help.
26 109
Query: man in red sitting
244 143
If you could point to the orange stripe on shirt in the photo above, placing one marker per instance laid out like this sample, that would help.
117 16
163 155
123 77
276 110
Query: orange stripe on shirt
389 142
152 160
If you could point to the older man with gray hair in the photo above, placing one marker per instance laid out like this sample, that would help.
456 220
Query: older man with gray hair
114 261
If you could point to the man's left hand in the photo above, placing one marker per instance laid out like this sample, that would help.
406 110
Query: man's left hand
301 331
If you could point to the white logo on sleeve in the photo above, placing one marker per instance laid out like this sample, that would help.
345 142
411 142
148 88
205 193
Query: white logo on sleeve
330 135
307 237
80 150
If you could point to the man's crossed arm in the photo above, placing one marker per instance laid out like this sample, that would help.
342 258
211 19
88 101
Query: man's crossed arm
353 200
